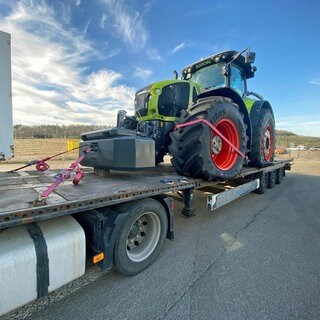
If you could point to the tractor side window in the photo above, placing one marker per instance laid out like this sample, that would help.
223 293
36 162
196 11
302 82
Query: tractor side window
237 80
173 99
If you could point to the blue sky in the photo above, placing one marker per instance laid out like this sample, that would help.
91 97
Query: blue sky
78 61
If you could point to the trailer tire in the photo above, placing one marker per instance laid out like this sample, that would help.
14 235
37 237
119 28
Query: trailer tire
280 175
263 185
272 179
263 140
200 153
141 236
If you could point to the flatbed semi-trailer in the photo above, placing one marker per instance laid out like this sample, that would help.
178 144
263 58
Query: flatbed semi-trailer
19 191
115 218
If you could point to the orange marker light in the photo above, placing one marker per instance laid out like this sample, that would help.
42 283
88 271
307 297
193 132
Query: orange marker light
98 257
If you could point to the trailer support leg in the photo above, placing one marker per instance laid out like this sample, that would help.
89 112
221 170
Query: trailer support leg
188 210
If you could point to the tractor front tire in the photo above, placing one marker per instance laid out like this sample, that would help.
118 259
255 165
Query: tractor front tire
263 140
197 151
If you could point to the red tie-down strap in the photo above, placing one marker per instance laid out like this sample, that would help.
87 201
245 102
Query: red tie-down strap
65 174
215 130
41 165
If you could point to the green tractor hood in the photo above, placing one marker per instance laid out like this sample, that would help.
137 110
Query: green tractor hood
164 100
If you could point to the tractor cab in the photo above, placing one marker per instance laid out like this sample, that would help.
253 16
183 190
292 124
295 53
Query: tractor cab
227 69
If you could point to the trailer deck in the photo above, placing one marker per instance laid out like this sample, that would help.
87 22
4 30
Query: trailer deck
19 191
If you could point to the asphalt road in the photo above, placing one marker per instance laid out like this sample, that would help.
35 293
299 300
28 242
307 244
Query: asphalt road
256 258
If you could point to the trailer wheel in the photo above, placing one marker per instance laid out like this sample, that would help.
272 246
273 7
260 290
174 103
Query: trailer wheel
264 178
272 179
263 140
199 152
280 175
141 237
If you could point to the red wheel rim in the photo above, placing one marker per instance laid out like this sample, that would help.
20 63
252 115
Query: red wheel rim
267 143
223 155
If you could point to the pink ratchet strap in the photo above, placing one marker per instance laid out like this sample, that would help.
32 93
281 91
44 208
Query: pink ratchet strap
215 130
41 165
65 174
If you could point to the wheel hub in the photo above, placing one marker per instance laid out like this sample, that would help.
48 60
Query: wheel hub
137 234
143 236
216 144
267 144
134 231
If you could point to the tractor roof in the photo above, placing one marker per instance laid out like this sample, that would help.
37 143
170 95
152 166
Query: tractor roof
225 56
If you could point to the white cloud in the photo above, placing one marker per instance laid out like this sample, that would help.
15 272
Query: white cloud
179 47
315 81
128 23
103 21
143 73
148 5
86 27
50 81
303 125
153 54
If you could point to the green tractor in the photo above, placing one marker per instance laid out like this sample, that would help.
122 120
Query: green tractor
204 120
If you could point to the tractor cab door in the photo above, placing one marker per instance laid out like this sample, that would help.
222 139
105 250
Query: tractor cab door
237 80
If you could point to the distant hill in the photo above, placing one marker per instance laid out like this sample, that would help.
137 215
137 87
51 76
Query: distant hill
287 139
285 133
47 131
284 138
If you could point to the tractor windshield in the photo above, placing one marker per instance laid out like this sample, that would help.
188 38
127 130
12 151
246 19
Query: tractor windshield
210 76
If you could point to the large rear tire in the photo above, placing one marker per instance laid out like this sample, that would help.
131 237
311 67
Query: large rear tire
263 140
198 152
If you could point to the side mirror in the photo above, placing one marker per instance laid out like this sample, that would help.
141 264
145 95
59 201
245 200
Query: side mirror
175 74
250 57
